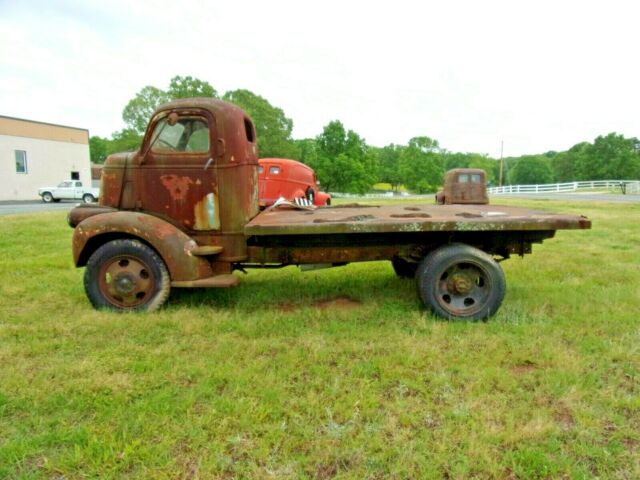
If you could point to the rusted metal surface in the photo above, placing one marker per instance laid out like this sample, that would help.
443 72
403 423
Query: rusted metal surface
464 186
173 245
84 211
214 191
413 218
126 281
289 255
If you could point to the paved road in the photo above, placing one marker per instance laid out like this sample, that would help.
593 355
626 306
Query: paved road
590 197
31 206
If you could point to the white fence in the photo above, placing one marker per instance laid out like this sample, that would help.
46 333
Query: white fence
626 186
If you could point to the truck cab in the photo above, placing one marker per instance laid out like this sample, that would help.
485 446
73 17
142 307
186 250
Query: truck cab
464 186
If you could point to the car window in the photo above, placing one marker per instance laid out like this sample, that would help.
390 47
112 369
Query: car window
274 170
78 184
64 185
475 178
189 134
260 169
463 178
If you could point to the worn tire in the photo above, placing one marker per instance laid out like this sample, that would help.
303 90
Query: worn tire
458 281
403 268
47 197
88 198
126 275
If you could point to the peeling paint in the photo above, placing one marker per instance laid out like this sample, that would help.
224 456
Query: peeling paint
177 186
207 213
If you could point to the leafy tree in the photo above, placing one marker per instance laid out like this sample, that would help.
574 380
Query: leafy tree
307 151
185 87
566 165
422 165
138 111
344 163
388 159
531 169
611 157
126 140
273 128
98 149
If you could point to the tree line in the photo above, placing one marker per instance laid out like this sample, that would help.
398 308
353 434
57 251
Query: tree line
344 162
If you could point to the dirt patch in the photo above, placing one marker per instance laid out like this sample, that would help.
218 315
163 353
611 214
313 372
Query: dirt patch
324 472
524 367
630 444
288 307
564 417
340 303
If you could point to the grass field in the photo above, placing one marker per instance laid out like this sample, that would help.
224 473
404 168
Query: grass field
331 374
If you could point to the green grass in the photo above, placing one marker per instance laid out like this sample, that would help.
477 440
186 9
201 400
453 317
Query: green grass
266 381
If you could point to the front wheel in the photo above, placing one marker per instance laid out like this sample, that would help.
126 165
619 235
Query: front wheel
47 197
126 275
461 282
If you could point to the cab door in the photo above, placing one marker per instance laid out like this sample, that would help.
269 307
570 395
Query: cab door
177 170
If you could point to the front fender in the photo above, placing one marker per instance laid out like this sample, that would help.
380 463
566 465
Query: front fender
171 243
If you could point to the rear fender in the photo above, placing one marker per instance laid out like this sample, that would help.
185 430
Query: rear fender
171 243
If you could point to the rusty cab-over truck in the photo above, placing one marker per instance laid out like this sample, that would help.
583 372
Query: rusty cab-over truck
183 211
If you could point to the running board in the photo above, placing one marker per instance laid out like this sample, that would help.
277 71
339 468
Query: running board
204 250
218 281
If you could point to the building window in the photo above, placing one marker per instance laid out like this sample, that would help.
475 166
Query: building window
21 161
75 175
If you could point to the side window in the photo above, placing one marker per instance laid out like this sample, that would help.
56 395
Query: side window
21 161
463 178
189 134
78 184
475 178
260 169
65 185
274 170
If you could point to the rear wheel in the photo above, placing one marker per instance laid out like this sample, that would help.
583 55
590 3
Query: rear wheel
88 198
126 275
461 282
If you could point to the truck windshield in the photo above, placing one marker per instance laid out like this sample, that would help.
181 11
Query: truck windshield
189 134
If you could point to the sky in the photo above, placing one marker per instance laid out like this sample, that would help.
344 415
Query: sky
537 76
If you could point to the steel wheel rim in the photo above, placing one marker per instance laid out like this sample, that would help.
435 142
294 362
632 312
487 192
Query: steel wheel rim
463 289
126 281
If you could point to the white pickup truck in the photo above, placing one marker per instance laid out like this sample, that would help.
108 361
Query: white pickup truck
69 190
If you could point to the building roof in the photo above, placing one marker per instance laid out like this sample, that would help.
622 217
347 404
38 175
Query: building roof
19 127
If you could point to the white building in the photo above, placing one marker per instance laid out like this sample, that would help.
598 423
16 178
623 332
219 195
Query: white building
37 154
